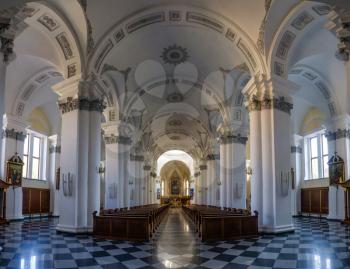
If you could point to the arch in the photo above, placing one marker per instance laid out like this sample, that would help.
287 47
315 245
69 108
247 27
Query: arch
177 15
313 77
44 78
302 16
175 155
48 20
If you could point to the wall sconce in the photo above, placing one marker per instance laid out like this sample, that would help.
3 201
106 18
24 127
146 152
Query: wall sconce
218 182
131 182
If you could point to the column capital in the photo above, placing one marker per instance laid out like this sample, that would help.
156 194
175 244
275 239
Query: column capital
266 93
233 139
77 94
15 122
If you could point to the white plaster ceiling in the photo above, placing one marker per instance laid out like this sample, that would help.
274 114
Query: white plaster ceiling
102 17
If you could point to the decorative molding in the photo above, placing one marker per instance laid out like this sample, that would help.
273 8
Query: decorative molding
275 103
203 167
212 157
48 22
55 149
137 158
113 139
338 134
6 48
174 55
145 20
13 134
147 167
81 104
302 20
71 70
233 139
62 40
204 20
296 149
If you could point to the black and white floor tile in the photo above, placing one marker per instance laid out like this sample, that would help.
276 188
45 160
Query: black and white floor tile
315 244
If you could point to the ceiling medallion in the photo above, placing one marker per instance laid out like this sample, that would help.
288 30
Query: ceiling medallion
175 123
175 98
174 55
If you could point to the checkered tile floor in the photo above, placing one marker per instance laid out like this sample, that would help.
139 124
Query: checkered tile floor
315 244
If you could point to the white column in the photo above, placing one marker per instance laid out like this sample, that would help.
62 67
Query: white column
203 182
55 152
256 183
79 173
117 166
270 99
223 175
296 164
14 133
147 179
94 161
229 173
338 137
6 57
212 184
111 166
239 181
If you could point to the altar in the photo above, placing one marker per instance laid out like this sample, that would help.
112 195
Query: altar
175 201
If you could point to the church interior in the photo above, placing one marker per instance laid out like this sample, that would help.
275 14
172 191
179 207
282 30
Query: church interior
175 134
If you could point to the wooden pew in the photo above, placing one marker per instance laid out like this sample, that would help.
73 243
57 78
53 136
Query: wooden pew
212 223
136 224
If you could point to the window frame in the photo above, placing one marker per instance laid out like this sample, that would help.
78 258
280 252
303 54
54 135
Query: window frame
31 135
321 165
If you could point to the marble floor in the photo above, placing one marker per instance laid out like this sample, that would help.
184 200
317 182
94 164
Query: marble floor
315 244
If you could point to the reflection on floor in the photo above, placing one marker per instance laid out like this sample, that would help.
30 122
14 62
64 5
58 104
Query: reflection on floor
315 244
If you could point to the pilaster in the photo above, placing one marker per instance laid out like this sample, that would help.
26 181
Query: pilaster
13 136
338 137
54 157
269 105
297 166
81 110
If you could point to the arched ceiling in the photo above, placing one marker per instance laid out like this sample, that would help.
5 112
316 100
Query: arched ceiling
104 16
172 167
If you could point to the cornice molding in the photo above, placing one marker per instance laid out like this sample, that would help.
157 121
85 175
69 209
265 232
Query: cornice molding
55 149
233 139
147 167
137 158
296 149
213 157
83 104
270 103
113 139
338 134
13 134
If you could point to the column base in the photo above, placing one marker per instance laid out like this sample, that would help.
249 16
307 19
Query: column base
73 229
277 229
15 218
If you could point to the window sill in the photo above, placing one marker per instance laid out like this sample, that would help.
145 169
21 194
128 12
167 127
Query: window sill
33 179
321 178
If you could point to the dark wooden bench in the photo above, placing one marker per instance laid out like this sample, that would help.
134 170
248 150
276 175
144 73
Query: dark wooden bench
215 224
136 224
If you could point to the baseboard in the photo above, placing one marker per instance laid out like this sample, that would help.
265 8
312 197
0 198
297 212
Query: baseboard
72 229
277 229
15 218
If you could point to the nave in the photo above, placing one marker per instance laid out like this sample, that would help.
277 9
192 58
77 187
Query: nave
316 243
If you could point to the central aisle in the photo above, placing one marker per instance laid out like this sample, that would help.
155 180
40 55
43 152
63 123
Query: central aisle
176 241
